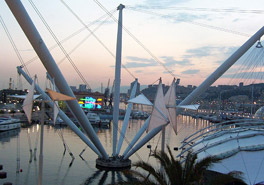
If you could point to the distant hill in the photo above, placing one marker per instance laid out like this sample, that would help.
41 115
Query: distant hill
123 89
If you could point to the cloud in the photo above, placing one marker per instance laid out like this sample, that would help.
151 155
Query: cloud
199 52
138 71
219 62
139 62
140 59
170 61
209 51
182 17
191 71
164 3
166 72
236 20
103 22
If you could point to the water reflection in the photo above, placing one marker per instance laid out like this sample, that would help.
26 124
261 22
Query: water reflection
7 135
108 177
59 142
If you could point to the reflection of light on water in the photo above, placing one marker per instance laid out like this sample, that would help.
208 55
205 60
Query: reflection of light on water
186 126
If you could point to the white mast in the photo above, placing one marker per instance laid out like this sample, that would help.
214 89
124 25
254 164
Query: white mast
126 119
117 78
43 53
222 69
62 115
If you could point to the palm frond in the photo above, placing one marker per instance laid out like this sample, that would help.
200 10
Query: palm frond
155 173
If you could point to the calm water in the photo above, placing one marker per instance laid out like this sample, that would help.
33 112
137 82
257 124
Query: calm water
56 166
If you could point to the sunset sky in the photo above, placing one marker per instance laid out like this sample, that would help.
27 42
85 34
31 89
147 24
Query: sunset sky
190 37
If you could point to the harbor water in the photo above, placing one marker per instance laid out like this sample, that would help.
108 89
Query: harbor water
22 168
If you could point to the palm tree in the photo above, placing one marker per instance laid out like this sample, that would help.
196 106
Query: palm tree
172 171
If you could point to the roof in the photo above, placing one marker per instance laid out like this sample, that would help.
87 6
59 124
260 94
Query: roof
239 145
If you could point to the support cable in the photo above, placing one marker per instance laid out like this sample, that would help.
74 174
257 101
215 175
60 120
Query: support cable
192 22
230 10
249 66
136 40
13 45
80 20
59 44
71 36
245 65
83 40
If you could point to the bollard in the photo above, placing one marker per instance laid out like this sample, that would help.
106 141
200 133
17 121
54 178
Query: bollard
2 175
7 183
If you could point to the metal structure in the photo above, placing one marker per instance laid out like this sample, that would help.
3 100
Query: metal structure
62 115
43 53
117 78
104 161
222 69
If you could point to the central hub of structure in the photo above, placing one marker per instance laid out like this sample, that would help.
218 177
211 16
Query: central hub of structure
113 163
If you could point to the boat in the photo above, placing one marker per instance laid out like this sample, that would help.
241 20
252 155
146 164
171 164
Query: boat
59 121
8 123
93 117
95 120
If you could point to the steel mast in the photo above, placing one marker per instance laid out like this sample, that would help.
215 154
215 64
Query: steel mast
117 78
43 53
222 69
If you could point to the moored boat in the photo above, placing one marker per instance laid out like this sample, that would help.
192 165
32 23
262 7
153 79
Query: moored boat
8 123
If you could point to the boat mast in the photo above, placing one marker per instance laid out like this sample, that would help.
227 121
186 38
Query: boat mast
43 53
117 78
222 69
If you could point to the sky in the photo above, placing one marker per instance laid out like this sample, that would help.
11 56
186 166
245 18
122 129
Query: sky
191 38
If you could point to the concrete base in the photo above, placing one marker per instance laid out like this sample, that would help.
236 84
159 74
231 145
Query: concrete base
113 164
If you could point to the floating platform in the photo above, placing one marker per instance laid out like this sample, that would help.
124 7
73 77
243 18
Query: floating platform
113 164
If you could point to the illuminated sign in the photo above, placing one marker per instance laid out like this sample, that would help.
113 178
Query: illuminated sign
90 103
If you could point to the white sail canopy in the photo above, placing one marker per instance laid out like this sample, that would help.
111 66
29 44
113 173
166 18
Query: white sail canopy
159 115
170 101
28 102
140 99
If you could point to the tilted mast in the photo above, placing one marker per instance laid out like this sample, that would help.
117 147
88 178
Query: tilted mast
62 115
43 53
222 69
